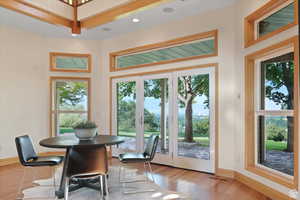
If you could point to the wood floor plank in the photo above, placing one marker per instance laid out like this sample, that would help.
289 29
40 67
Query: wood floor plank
199 186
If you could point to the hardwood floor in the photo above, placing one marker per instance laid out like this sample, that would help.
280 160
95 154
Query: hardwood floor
199 185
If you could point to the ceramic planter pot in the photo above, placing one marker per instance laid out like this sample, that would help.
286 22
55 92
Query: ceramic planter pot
85 134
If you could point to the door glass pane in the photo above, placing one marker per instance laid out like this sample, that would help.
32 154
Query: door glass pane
275 149
126 114
277 20
193 117
156 112
277 83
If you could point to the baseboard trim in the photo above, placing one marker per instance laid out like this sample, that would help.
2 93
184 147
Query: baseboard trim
266 190
14 160
8 161
226 173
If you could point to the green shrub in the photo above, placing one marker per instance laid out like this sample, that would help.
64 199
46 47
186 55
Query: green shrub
276 133
85 125
69 120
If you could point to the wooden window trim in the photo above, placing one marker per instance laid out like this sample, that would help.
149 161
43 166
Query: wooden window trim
52 56
250 113
165 44
249 22
55 78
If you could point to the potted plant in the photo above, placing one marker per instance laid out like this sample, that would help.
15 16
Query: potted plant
85 130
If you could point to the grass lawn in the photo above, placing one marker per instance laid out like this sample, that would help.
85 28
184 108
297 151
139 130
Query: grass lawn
279 146
66 130
204 141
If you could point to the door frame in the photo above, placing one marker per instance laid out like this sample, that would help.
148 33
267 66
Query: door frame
188 162
216 97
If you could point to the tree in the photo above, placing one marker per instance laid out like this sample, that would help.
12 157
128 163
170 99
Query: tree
126 115
71 93
279 84
201 127
189 87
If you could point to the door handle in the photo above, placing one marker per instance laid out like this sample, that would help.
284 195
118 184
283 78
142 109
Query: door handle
141 120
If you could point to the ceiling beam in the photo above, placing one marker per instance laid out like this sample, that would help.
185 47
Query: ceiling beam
35 12
119 12
76 28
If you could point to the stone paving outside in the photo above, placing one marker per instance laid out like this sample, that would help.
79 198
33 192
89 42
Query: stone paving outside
278 160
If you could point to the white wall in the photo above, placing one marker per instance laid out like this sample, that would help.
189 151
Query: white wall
244 8
24 83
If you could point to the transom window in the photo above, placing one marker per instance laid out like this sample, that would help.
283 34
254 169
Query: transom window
191 47
69 103
281 17
70 62
274 17
197 48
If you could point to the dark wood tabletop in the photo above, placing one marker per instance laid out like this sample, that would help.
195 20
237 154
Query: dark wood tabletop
72 141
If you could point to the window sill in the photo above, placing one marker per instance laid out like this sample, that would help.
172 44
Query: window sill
291 183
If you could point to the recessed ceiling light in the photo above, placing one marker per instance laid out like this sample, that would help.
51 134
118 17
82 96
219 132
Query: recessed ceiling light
168 10
135 20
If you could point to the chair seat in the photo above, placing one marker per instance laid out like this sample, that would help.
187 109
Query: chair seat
45 161
133 157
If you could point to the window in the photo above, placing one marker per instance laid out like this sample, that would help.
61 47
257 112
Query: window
275 113
274 17
192 47
70 103
66 62
271 112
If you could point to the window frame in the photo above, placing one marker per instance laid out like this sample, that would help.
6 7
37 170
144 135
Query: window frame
161 45
251 112
250 22
53 67
51 98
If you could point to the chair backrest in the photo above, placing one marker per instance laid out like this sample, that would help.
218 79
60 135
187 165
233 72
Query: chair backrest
87 161
151 146
25 149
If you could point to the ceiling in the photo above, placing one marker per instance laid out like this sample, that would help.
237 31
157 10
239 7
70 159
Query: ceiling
148 18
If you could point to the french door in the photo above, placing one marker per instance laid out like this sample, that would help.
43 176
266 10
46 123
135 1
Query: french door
176 106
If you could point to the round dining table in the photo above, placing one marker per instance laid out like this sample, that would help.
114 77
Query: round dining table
70 141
